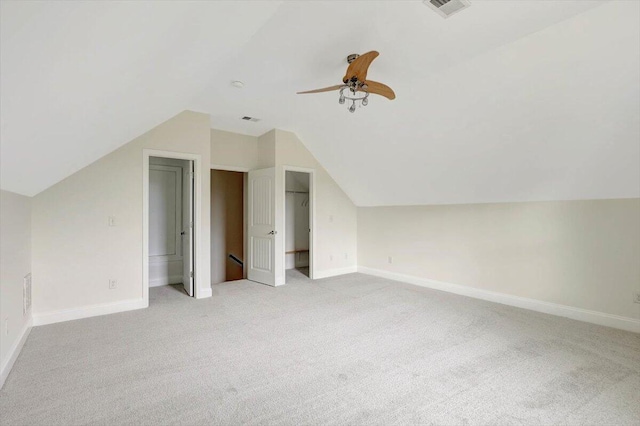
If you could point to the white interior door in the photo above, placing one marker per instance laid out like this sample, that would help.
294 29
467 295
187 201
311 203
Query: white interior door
187 230
262 226
165 222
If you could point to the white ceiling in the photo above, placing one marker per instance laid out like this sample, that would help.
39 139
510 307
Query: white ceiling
505 101
80 79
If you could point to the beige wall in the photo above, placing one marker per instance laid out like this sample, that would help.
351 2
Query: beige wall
234 150
245 152
227 225
15 263
336 215
584 254
267 150
336 237
75 252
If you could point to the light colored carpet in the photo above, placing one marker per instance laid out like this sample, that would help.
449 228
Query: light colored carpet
354 349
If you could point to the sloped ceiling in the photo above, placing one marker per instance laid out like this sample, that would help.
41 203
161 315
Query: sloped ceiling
79 79
505 101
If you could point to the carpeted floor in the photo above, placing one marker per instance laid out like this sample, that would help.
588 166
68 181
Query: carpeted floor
347 350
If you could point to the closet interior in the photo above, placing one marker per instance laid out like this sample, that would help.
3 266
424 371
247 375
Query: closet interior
297 214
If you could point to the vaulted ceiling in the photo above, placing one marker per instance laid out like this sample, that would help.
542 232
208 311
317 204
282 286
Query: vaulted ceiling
504 101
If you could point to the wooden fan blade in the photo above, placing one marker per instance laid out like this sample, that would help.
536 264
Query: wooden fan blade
326 89
379 89
359 67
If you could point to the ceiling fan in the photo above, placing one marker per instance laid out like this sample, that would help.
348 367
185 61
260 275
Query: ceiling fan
355 80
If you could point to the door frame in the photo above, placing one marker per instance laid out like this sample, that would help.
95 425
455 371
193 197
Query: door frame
312 216
198 292
245 207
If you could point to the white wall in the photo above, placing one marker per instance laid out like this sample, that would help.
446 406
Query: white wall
75 252
582 254
15 263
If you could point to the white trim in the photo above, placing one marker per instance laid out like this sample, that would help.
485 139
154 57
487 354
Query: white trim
200 286
162 281
88 311
312 218
229 168
204 293
335 272
14 351
594 317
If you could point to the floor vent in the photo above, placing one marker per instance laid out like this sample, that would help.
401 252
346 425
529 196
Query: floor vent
446 8
26 294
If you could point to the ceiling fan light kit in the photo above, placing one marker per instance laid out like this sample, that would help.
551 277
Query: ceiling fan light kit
364 101
355 82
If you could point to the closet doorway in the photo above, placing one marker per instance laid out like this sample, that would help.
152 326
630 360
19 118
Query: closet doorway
228 225
170 223
298 223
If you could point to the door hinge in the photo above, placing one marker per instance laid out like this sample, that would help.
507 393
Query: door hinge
190 224
191 274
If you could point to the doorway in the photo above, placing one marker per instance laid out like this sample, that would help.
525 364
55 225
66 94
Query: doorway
228 221
297 244
170 200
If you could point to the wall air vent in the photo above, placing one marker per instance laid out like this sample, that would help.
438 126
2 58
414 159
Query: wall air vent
446 8
253 119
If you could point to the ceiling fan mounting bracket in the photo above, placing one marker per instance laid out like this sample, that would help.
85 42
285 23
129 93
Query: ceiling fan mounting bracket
352 57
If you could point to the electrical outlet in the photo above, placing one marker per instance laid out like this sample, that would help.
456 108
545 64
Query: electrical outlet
636 299
113 284
390 259
112 221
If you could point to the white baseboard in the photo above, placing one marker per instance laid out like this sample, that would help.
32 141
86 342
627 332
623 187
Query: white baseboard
14 351
594 317
158 282
334 272
88 311
204 293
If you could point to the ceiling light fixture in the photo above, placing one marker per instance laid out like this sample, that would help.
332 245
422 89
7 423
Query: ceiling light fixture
237 84
364 101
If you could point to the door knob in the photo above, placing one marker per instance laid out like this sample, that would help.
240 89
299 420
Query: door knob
273 232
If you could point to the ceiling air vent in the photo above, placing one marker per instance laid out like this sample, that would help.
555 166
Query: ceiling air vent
446 8
247 118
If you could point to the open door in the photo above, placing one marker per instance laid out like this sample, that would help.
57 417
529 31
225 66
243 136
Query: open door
262 226
187 230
